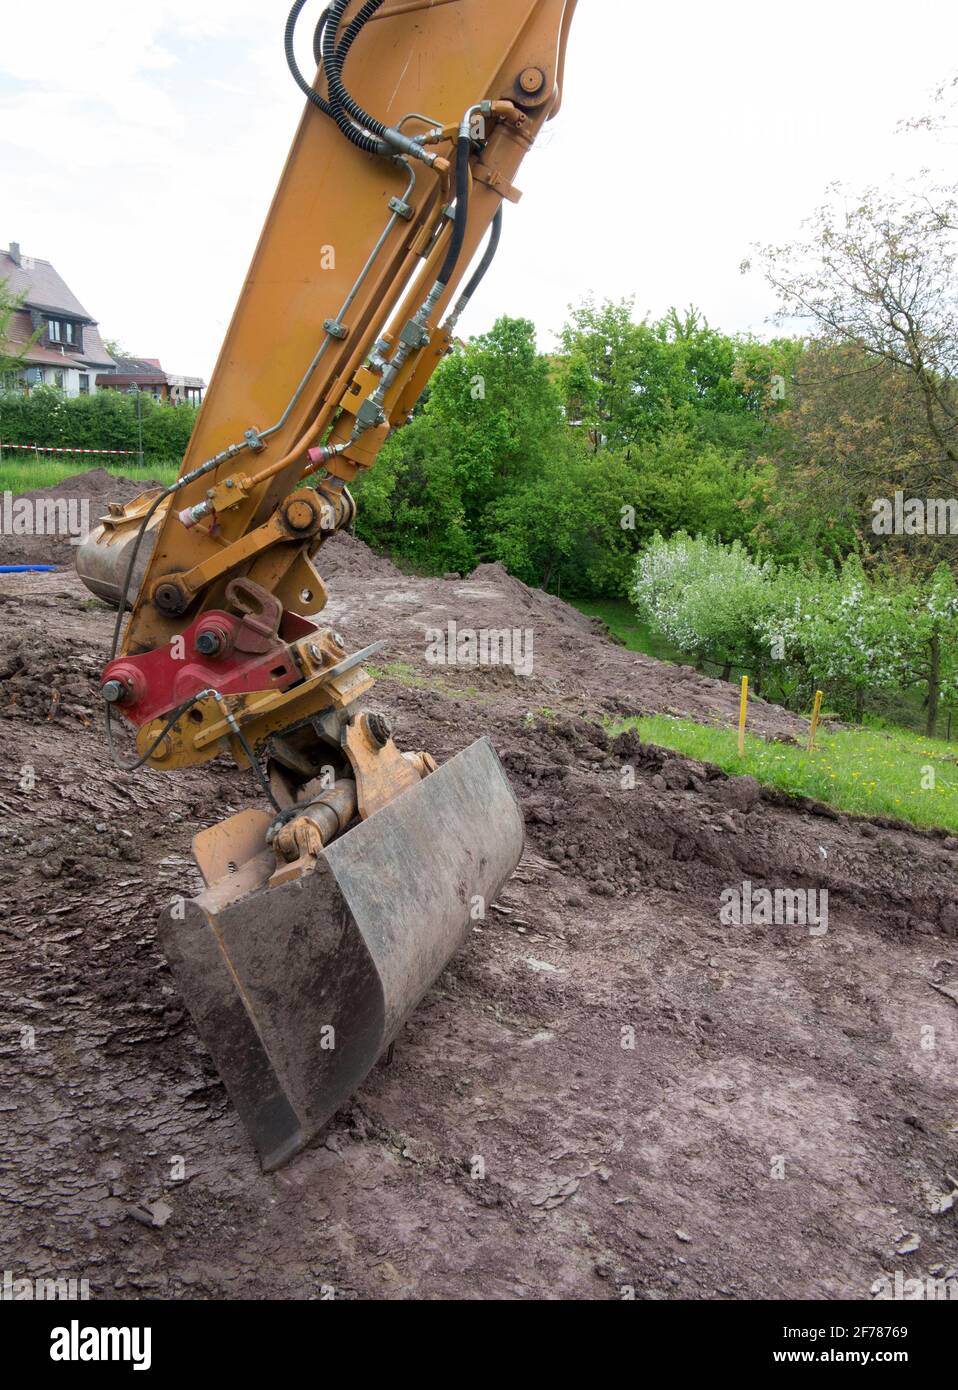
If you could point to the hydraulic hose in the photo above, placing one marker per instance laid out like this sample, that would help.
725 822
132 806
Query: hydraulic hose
318 38
492 246
331 51
342 51
288 41
463 151
345 111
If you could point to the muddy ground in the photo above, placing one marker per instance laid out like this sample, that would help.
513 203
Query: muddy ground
608 1089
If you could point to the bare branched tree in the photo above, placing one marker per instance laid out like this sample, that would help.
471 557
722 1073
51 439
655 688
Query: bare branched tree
881 274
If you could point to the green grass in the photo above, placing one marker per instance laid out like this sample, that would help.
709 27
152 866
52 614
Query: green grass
399 671
620 618
867 772
26 474
899 710
403 674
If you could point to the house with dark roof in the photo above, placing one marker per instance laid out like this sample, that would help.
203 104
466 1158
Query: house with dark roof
68 351
64 347
146 374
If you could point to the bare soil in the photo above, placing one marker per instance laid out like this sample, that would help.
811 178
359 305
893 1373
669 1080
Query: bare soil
785 1122
85 495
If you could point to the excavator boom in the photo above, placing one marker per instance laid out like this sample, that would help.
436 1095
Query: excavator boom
326 916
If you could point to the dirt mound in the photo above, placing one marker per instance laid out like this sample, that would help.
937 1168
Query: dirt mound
561 659
496 576
40 681
71 508
344 554
98 486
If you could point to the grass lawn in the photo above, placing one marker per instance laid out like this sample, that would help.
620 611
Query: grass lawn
24 474
868 772
902 710
620 618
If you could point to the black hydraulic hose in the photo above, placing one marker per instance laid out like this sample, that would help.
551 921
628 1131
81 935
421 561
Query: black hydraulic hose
288 41
492 246
171 720
463 151
345 111
318 38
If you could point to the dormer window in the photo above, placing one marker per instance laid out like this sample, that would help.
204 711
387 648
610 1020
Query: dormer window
63 331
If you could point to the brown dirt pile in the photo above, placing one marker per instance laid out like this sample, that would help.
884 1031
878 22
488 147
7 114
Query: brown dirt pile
83 495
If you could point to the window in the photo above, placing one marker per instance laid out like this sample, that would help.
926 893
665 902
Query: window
84 384
58 376
62 331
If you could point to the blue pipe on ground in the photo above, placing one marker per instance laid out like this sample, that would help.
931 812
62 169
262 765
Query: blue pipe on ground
28 569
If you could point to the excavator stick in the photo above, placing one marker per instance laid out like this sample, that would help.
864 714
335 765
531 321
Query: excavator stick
298 989
325 920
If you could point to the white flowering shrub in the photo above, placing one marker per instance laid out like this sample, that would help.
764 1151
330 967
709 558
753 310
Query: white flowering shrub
848 633
852 631
705 597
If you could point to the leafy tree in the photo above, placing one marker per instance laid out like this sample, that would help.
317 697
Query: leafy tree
854 431
492 426
878 271
537 530
411 502
929 640
852 634
496 412
493 466
627 382
12 354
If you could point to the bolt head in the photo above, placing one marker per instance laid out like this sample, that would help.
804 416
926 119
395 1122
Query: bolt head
379 730
168 598
300 516
113 692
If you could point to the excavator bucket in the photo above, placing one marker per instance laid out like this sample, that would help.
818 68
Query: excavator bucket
298 989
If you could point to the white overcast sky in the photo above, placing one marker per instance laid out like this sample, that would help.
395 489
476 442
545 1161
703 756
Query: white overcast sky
140 143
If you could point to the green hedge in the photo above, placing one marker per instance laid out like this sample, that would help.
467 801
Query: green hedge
107 420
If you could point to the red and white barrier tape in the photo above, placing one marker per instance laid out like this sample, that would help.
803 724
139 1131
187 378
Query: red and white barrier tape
43 449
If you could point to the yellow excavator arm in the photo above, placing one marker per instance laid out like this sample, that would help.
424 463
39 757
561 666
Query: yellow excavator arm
330 912
350 303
